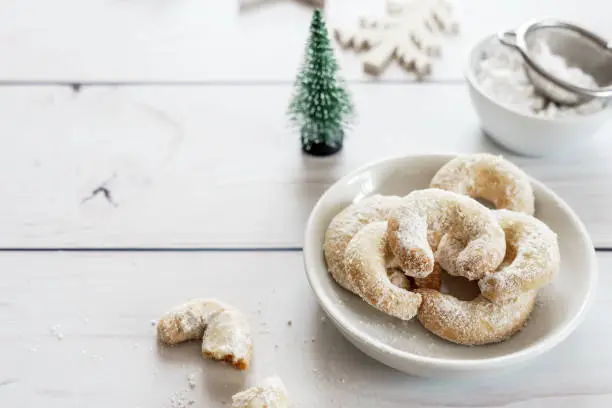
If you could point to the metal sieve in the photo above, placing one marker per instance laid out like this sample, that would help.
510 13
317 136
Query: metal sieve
579 47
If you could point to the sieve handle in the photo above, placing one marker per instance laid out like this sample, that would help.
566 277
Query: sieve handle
507 38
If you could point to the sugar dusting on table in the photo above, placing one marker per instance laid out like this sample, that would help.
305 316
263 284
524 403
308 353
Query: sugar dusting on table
56 331
181 399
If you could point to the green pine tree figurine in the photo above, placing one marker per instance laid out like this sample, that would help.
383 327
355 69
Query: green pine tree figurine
321 108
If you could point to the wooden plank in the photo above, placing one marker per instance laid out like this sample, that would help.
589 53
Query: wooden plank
193 40
77 332
219 166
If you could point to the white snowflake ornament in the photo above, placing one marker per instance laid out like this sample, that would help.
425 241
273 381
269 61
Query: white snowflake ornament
410 32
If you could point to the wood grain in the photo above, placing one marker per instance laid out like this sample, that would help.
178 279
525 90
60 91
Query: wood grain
103 306
194 40
218 166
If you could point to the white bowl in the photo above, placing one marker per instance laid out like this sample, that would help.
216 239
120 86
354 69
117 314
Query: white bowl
407 346
525 134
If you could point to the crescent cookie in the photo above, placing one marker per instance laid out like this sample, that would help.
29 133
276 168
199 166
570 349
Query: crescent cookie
271 393
365 261
534 259
490 177
346 224
224 331
473 244
474 322
432 281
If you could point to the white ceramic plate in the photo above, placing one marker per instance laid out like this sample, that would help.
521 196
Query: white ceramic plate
407 346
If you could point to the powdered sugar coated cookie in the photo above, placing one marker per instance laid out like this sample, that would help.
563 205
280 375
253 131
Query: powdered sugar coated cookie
473 244
489 177
533 262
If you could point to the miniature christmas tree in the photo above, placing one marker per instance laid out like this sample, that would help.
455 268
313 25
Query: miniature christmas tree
320 107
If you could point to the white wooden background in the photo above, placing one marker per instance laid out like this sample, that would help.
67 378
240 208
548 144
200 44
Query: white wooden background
179 113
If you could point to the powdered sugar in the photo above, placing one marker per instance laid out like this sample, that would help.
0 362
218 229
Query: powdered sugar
502 77
191 380
180 400
558 67
56 331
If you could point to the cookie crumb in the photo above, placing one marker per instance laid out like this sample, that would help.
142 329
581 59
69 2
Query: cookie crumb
289 323
191 380
55 330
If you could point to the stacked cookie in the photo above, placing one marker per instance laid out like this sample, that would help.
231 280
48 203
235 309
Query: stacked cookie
390 250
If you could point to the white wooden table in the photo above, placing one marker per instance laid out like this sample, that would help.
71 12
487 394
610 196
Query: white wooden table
177 109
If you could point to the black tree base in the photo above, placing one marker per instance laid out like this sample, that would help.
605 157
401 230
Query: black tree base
322 149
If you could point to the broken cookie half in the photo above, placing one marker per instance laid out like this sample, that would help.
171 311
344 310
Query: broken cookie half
224 330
